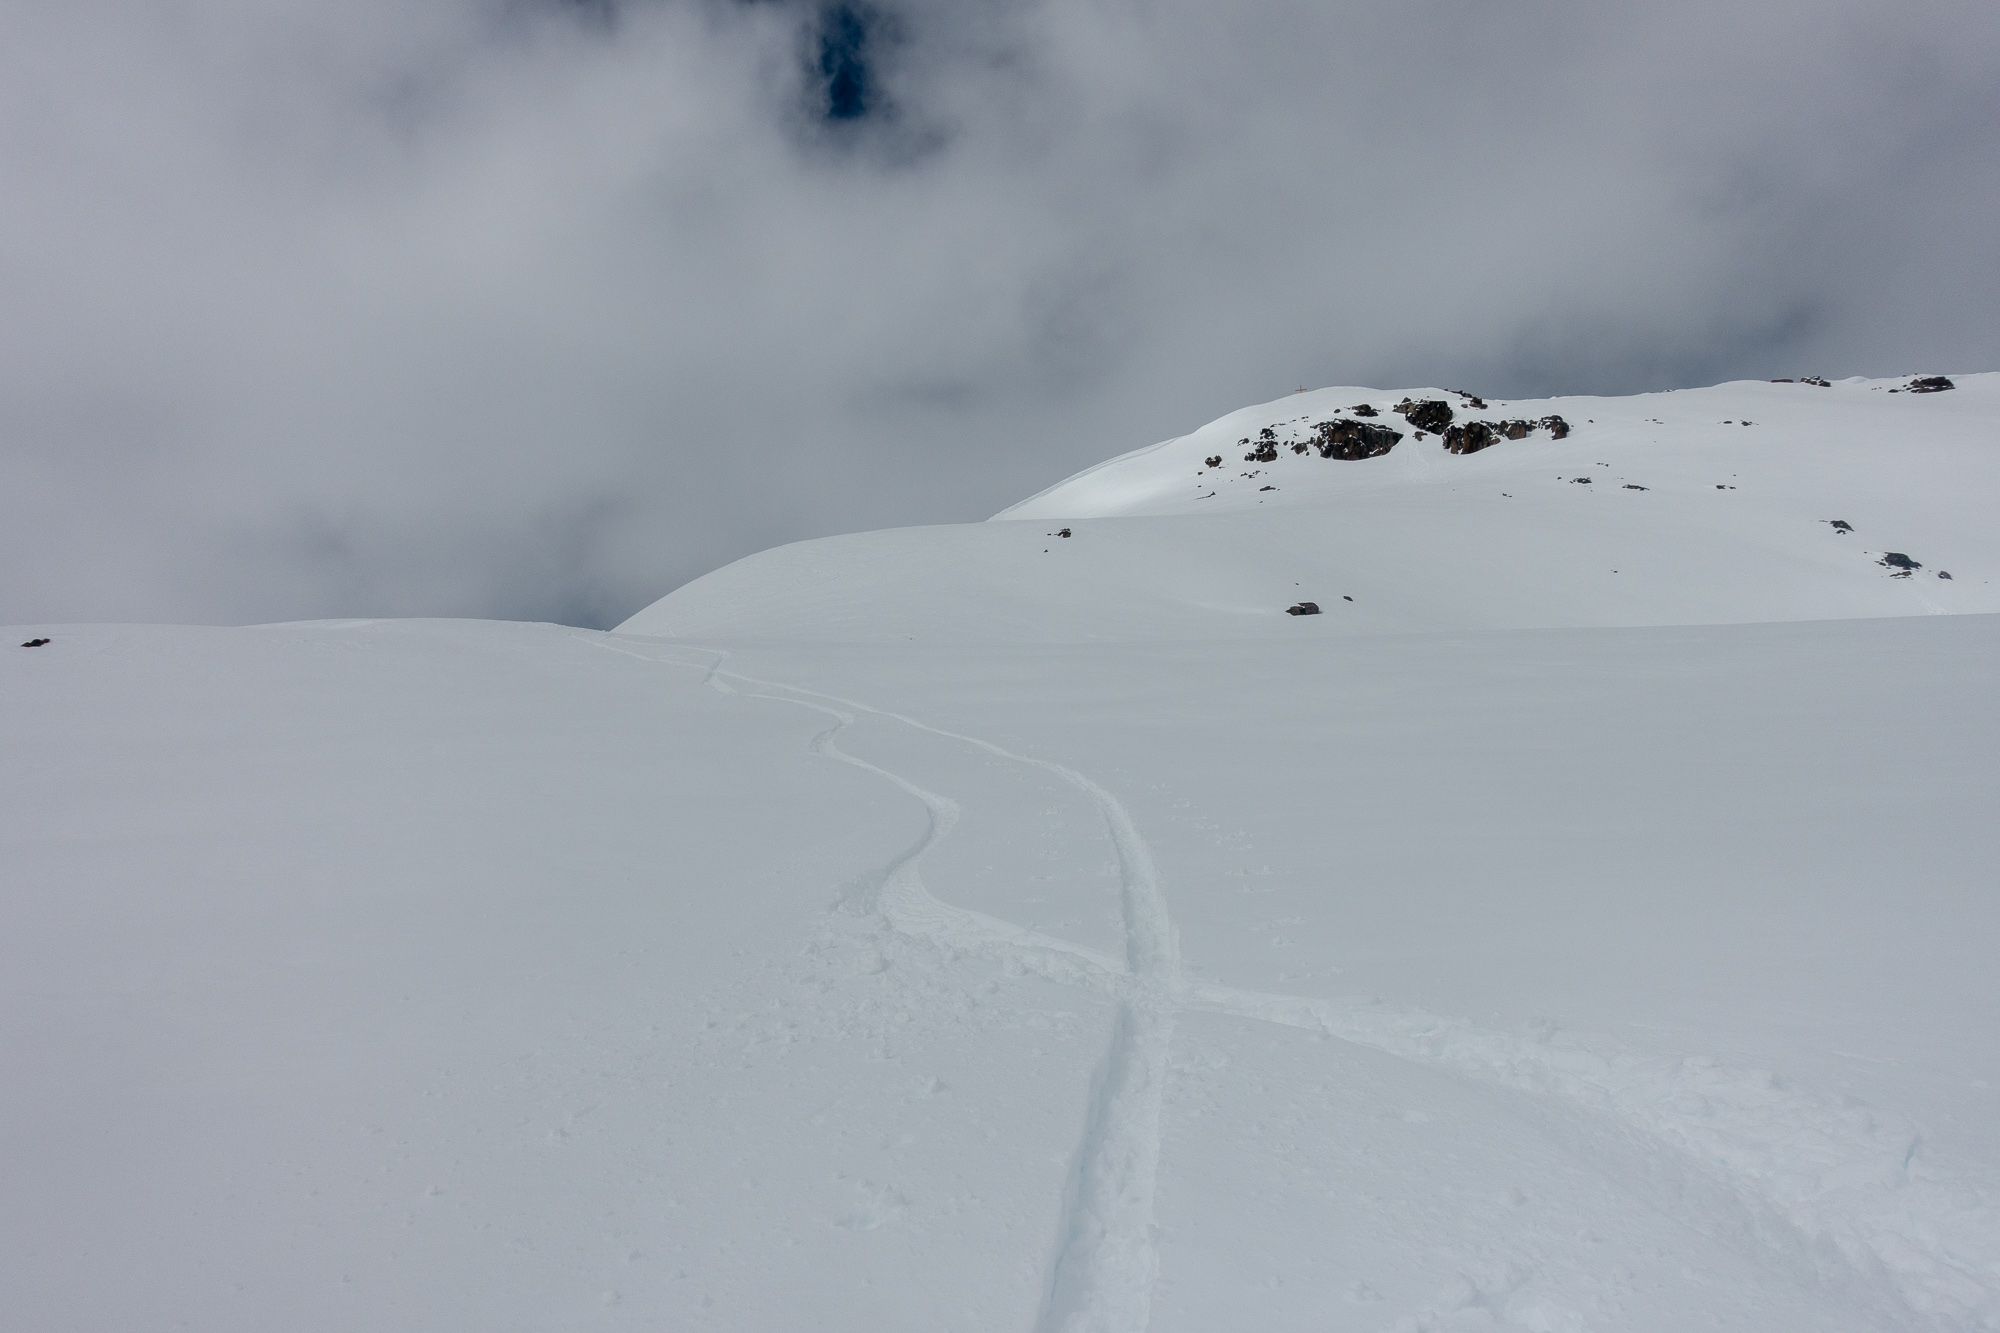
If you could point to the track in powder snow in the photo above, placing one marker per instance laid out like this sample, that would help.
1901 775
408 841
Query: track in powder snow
1103 1274
1837 1172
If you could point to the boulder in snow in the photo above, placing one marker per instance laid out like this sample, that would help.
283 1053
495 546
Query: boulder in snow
1432 414
1349 439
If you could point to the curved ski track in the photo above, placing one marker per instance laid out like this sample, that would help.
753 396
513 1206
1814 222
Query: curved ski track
1840 1173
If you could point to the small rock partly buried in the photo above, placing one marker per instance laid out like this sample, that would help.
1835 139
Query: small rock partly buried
1840 525
34 643
1267 447
1926 384
1899 565
1303 609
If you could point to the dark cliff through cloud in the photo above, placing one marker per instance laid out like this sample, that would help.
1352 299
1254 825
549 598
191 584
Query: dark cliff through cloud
536 310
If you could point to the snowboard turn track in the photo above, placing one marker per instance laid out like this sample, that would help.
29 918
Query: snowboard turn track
1840 1174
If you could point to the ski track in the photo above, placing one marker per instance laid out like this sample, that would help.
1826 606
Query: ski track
1102 1277
1838 1172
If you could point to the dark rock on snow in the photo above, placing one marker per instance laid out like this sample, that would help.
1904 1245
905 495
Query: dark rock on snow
1630 487
1471 436
1840 525
1267 447
1303 609
1579 481
1347 438
1432 414
1944 574
1063 533
34 643
1901 565
1929 384
1353 440
1214 460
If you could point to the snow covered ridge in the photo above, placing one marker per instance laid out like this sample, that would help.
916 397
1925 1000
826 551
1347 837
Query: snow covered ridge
1185 474
1422 510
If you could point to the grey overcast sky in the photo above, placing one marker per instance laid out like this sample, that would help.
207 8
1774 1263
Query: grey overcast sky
532 309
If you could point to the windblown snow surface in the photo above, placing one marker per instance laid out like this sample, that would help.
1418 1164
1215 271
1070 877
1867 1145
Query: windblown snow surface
1591 924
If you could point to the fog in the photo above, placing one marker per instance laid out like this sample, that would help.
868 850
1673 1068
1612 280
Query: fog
539 310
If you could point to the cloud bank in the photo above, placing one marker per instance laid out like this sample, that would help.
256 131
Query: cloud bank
537 310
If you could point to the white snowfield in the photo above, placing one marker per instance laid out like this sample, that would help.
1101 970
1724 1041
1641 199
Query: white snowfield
1591 925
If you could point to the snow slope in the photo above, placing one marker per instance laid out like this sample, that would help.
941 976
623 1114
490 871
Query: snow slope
917 931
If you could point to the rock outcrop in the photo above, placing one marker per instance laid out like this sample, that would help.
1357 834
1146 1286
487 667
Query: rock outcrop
1432 414
1470 437
1343 437
1350 439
